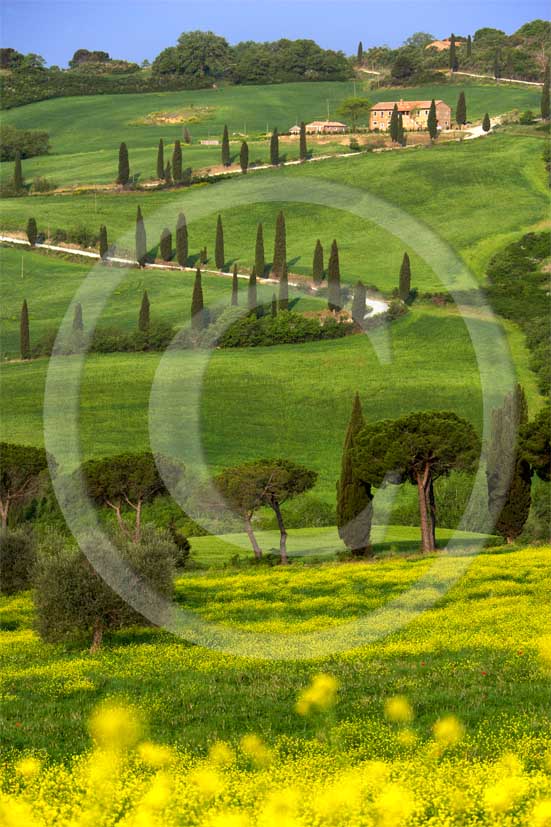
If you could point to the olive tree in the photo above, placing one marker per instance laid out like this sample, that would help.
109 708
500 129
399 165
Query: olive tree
71 598
419 448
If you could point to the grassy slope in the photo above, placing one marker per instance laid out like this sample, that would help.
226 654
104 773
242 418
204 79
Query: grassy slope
88 130
472 195
287 400
485 670
308 543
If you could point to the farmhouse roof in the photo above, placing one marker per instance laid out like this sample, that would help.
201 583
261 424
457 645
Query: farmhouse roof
325 123
403 106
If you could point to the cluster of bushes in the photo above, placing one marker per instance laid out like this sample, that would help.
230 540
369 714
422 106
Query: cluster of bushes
28 142
107 340
489 51
284 328
519 290
204 55
21 86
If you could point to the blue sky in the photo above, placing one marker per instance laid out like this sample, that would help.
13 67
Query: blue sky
134 29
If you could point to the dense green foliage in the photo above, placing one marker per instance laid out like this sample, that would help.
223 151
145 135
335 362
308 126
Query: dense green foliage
508 472
28 142
17 560
286 328
519 291
354 497
419 448
71 598
20 470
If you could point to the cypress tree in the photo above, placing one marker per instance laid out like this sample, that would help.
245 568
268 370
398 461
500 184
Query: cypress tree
187 176
244 156
103 244
497 65
469 46
24 333
161 159
234 287
508 473
317 264
404 288
141 239
486 124
545 92
197 306
360 58
144 317
18 181
123 176
284 288
303 147
280 245
358 303
181 240
259 257
226 160
168 173
334 279
252 302
432 121
219 257
32 231
454 63
394 119
78 324
400 132
165 246
461 111
187 136
274 306
177 162
354 498
274 148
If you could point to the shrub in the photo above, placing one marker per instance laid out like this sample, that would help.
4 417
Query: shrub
28 142
285 328
527 117
17 559
73 601
40 184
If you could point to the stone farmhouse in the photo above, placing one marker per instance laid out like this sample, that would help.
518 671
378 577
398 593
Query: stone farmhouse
414 114
320 128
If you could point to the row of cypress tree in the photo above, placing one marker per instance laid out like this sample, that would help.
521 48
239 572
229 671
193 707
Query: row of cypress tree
171 172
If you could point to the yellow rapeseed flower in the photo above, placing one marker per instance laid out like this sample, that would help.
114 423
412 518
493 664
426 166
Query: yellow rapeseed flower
158 795
14 813
28 767
541 814
221 754
227 818
321 694
394 805
280 808
155 755
115 727
254 748
207 781
448 731
500 797
398 710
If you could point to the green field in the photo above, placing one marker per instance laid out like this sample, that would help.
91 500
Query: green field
85 132
497 203
312 544
476 655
